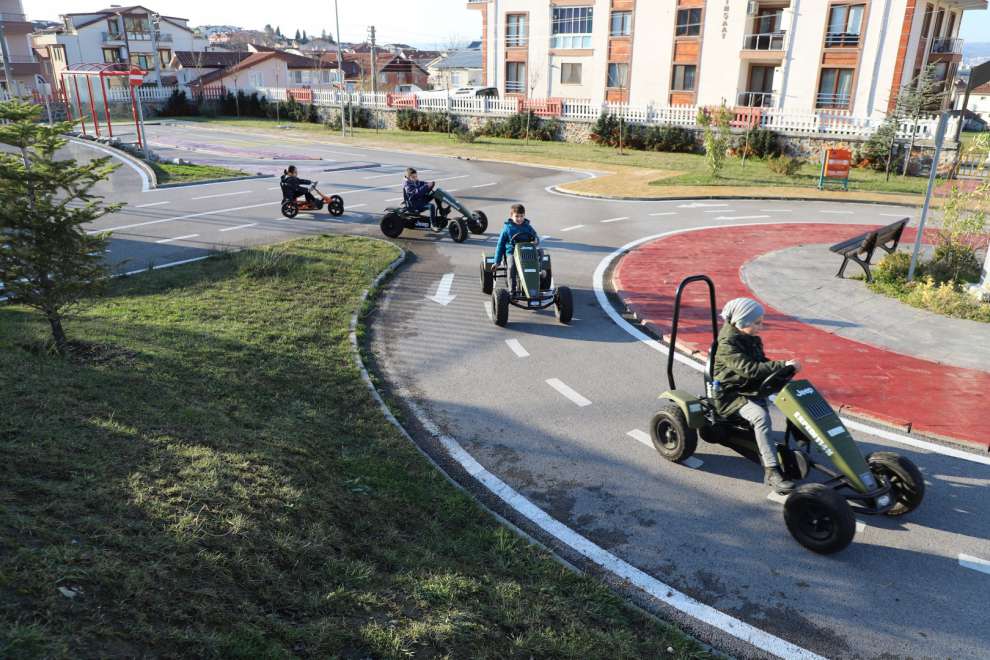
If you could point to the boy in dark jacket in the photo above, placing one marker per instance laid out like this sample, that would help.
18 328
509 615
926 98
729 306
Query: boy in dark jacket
418 194
292 185
516 227
740 367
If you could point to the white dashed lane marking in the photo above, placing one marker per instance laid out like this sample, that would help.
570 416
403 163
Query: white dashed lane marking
776 211
488 311
657 215
177 238
514 344
641 437
974 563
144 206
569 393
572 228
485 185
253 224
355 206
230 194
838 212
394 199
625 217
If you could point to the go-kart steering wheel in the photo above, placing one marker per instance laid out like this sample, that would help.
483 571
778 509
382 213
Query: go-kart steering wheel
776 381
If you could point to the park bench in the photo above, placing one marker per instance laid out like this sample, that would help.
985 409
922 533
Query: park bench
861 248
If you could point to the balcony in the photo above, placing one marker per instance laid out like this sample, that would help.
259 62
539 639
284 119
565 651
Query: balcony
113 37
947 46
833 101
517 41
514 87
768 41
756 99
842 39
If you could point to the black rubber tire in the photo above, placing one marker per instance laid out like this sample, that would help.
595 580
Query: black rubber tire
906 480
336 206
672 437
478 223
392 225
290 209
500 307
563 304
487 279
819 518
458 230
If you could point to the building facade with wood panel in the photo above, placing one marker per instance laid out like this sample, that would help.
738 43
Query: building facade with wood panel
796 55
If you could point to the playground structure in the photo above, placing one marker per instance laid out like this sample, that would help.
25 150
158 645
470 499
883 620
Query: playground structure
103 72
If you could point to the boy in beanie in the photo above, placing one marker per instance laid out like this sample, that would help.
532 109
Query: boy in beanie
740 367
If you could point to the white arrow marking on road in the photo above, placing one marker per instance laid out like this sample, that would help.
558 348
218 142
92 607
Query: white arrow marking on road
561 387
177 238
657 215
144 206
572 228
625 217
741 217
517 348
697 205
253 224
443 296
975 563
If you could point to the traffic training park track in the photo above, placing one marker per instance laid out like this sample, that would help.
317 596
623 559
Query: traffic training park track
547 424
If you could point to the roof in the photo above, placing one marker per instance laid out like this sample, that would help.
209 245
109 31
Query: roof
209 59
384 63
982 90
112 11
461 59
254 59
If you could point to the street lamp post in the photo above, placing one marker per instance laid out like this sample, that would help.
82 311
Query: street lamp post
340 71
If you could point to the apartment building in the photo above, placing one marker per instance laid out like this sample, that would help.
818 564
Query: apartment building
119 34
17 55
798 55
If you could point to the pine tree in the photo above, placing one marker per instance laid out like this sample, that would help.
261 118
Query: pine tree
298 35
305 39
278 31
915 101
47 260
268 29
323 35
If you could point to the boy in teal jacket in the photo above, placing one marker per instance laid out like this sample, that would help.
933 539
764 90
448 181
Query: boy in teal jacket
516 227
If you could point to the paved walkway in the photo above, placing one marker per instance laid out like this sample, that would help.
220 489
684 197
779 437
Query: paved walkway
899 388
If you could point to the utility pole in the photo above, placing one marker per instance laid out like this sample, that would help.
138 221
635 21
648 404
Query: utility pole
340 71
374 70
156 56
8 76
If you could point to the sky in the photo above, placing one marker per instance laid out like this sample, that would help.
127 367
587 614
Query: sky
422 23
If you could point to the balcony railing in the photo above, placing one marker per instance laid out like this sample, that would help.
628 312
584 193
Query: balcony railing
836 101
953 46
842 39
765 41
113 36
514 87
143 36
516 41
756 99
13 17
19 59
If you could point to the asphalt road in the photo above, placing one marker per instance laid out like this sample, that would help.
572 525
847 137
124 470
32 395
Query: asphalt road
559 413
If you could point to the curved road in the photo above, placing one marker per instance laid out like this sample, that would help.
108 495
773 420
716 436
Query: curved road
558 413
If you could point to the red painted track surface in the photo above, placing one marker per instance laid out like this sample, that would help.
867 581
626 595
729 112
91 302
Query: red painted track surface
911 393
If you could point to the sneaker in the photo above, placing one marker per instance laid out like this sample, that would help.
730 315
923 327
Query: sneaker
774 479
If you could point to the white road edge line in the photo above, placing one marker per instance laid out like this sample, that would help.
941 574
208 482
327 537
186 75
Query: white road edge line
974 563
568 393
572 228
648 584
179 217
170 264
145 181
177 238
603 302
625 217
144 206
514 345
253 224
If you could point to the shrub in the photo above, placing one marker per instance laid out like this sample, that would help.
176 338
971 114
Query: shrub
893 268
436 122
465 135
762 143
647 138
785 165
357 117
514 127
946 298
178 105
606 130
717 137
954 263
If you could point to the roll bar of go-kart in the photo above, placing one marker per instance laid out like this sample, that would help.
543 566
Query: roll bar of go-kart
677 316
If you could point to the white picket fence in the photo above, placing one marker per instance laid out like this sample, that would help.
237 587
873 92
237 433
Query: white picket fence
822 123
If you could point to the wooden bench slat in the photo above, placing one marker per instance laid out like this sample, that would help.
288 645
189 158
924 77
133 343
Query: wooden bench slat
867 243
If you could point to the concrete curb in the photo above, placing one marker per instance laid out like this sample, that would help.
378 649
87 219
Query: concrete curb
770 198
147 171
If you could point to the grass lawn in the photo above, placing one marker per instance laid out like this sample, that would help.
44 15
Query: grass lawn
673 169
172 173
209 477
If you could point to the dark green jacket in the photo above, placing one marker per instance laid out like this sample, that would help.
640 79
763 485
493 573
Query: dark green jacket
740 367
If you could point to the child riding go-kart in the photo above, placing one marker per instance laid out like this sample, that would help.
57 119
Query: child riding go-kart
527 273
293 187
419 196
819 515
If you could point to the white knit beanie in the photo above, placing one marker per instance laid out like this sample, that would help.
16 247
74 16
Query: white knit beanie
742 312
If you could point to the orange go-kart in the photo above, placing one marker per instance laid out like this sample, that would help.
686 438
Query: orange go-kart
292 206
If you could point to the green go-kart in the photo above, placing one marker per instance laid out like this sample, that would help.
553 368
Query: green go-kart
399 218
528 283
820 515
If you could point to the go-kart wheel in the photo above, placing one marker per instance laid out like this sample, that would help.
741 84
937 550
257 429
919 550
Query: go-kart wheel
336 205
500 307
907 483
290 209
392 225
458 230
487 277
478 222
564 304
819 518
672 437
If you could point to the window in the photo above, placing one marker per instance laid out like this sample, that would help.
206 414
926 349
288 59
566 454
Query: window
939 17
111 55
515 77
516 30
688 22
834 88
455 78
165 57
926 24
950 29
621 25
296 77
141 61
618 75
845 23
571 27
113 27
136 24
257 79
768 21
570 74
684 77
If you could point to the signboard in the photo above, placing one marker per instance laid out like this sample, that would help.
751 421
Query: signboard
835 168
